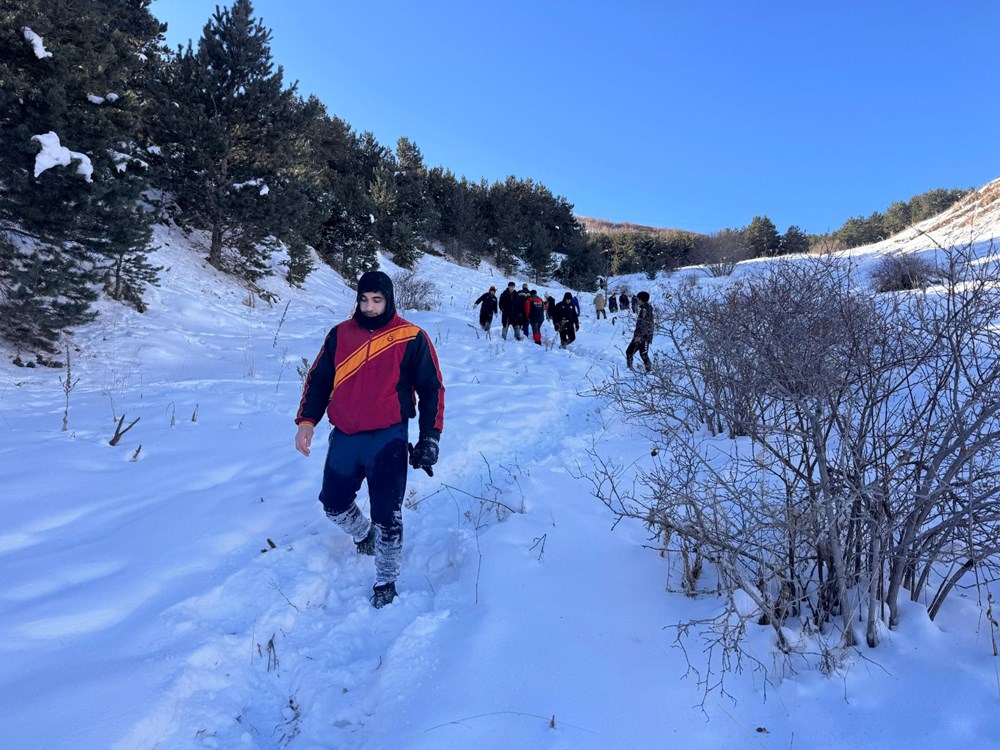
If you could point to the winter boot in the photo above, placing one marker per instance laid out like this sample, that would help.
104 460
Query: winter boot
383 594
367 545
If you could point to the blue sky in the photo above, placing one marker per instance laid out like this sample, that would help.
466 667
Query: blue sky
690 115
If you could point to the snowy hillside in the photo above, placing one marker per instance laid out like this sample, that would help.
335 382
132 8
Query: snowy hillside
183 589
974 219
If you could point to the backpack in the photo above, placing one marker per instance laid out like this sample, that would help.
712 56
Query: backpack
537 308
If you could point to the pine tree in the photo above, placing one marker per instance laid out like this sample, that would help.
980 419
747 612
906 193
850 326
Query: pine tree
584 263
395 227
762 238
69 72
302 193
404 217
347 239
538 253
456 206
507 223
859 230
794 241
933 202
229 129
412 189
897 217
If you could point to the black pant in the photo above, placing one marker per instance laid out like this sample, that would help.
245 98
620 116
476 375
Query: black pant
601 312
641 346
380 457
508 319
567 335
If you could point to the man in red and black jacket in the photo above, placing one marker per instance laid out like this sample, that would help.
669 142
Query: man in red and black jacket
534 313
371 372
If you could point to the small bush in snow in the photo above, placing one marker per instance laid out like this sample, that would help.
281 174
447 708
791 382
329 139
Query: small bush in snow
901 273
414 292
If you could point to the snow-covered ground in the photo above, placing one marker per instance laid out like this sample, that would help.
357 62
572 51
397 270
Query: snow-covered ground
191 593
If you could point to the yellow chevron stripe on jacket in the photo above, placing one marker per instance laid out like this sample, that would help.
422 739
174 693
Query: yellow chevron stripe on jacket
371 349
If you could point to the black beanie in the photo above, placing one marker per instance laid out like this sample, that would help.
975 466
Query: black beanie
375 281
568 297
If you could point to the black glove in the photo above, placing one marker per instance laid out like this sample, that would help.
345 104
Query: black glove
424 454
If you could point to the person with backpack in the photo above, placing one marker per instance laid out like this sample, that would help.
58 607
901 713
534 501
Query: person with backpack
371 375
487 308
643 335
566 320
507 303
534 313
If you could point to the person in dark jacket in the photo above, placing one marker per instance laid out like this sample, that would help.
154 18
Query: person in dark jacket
612 303
487 308
635 304
506 304
534 313
623 302
367 378
567 321
550 305
522 297
643 336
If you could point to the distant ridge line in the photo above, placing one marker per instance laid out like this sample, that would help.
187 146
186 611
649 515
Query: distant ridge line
592 225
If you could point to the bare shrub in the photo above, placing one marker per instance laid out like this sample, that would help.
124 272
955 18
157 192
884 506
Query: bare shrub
68 383
903 272
823 450
413 292
719 253
826 244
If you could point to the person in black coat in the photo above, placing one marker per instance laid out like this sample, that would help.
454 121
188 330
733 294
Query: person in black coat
487 308
507 301
645 324
623 302
612 303
566 320
520 318
550 306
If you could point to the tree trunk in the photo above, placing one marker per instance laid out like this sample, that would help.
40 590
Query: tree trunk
215 251
874 590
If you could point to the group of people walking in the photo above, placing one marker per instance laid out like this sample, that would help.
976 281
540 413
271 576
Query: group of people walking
614 304
523 310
